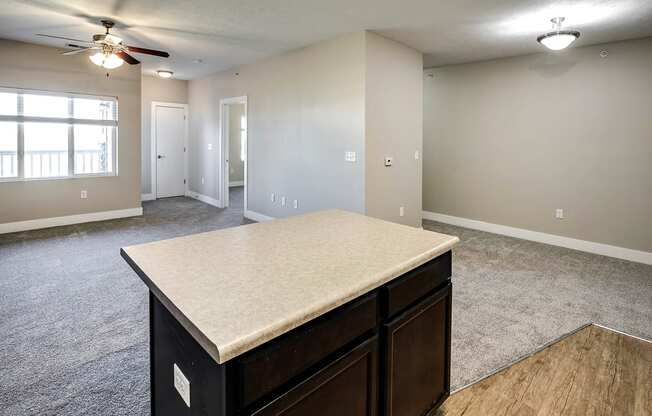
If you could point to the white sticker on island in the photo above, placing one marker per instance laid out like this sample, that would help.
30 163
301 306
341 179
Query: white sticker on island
182 385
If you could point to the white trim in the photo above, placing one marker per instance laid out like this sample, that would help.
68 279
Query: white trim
224 149
152 143
204 198
256 216
236 183
147 197
555 240
12 227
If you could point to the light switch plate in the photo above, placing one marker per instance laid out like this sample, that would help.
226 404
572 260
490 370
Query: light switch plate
182 385
349 156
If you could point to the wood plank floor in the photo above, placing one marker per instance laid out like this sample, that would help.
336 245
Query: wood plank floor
594 371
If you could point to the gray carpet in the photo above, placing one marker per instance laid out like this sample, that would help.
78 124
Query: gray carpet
512 296
73 316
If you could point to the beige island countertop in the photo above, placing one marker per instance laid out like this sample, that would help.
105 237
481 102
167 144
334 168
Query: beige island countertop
237 288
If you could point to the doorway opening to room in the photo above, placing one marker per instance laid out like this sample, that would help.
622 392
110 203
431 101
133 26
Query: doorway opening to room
233 114
169 142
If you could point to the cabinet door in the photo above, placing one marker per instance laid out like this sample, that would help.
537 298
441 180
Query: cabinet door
416 370
347 387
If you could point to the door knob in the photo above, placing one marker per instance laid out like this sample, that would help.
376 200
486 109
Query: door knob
161 156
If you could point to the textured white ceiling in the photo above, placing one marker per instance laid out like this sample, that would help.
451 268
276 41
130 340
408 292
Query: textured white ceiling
227 33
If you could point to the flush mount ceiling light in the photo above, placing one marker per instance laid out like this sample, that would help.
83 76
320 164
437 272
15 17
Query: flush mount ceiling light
558 39
164 74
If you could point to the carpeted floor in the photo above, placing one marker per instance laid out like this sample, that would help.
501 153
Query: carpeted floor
511 296
73 316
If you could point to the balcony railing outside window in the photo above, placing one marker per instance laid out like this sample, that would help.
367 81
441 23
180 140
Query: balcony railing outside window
53 135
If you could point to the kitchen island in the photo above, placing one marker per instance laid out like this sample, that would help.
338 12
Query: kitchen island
329 313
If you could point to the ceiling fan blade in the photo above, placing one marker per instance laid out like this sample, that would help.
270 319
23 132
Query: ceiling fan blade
64 38
76 51
72 45
148 51
127 58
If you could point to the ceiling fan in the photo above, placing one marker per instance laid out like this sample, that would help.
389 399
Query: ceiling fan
111 50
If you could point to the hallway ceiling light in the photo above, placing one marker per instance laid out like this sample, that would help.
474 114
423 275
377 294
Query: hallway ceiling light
558 39
164 74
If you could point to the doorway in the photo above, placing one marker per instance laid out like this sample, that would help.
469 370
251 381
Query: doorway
169 143
234 152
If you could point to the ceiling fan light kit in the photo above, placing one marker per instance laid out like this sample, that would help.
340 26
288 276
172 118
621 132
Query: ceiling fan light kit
106 60
558 39
165 74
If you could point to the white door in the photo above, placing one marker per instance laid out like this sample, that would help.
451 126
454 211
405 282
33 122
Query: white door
170 158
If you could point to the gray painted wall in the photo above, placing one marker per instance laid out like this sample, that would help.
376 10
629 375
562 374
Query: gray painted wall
305 111
156 89
236 165
393 128
511 140
359 92
38 67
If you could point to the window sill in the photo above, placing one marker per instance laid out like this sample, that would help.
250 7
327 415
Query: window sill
60 178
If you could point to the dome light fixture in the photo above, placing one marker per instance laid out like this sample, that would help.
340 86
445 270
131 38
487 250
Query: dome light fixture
558 39
164 74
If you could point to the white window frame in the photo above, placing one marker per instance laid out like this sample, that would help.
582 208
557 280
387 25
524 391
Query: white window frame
70 121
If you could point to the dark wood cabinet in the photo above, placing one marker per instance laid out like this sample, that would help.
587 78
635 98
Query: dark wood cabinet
270 367
346 387
416 353
386 352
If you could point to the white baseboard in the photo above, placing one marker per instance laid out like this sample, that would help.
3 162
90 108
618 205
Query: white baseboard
236 183
256 216
203 198
147 197
13 227
555 240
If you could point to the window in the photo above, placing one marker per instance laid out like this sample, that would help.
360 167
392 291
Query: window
50 135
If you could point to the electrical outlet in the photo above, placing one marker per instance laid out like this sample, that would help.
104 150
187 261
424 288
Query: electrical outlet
296 204
283 201
272 197
389 161
401 211
559 213
83 194
210 146
182 385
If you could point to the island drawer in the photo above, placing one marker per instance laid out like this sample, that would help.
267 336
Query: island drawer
302 350
414 285
348 386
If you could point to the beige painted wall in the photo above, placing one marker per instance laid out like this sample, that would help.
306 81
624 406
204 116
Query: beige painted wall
393 128
156 89
305 110
236 165
25 65
511 140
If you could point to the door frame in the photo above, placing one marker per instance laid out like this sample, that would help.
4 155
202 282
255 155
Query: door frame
224 148
153 144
